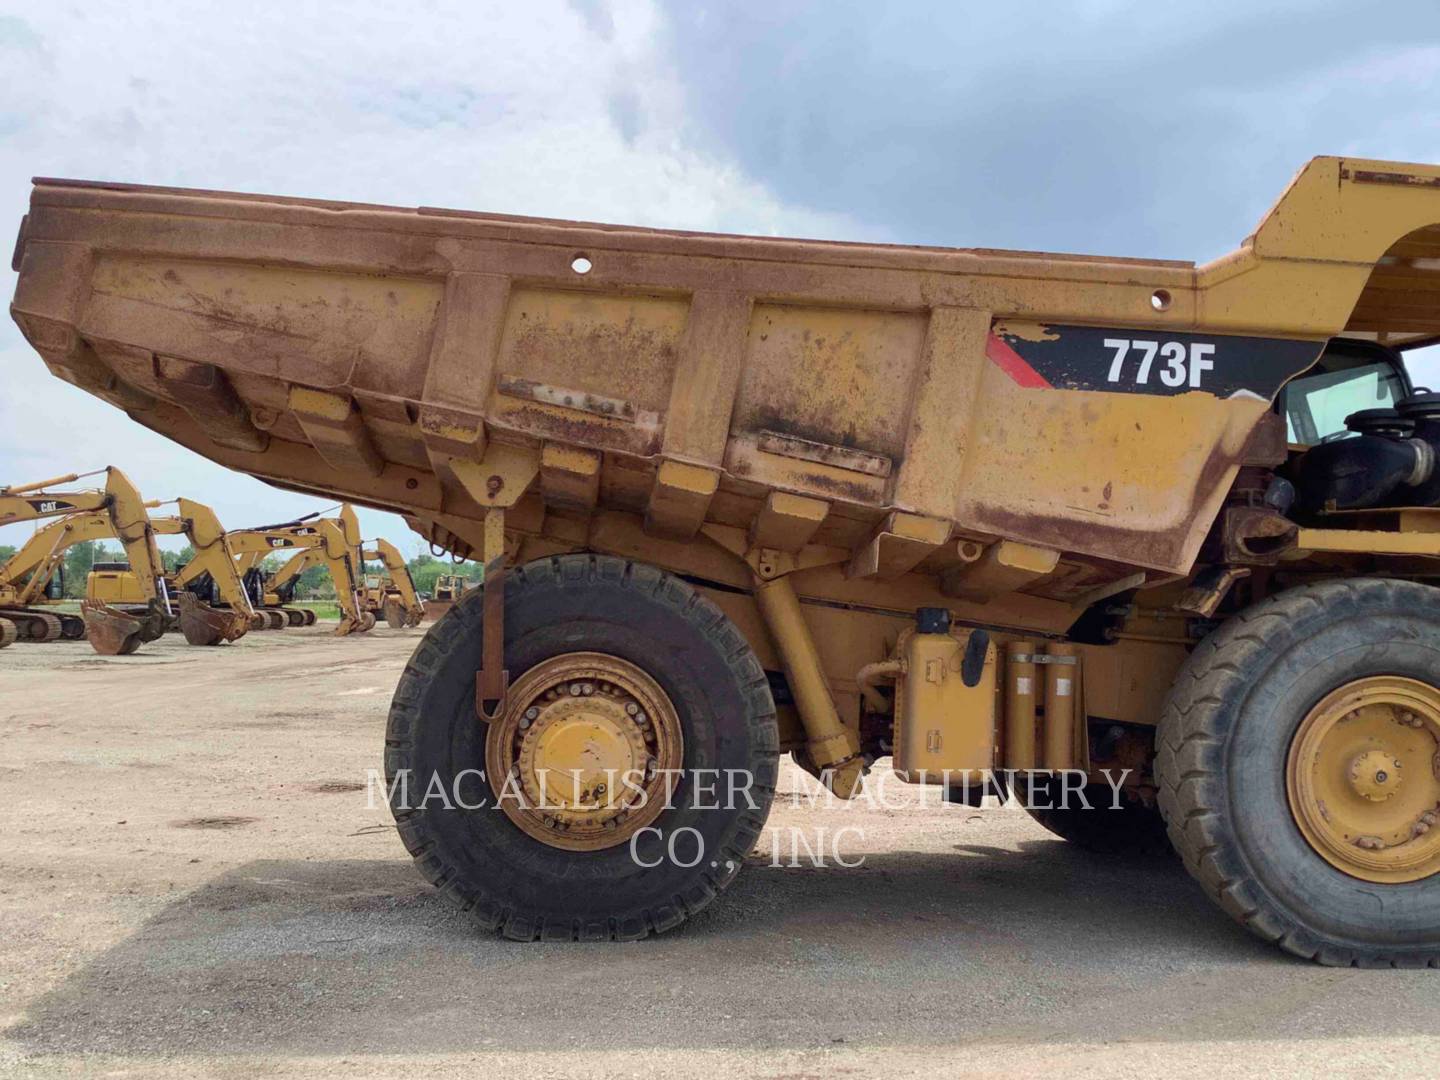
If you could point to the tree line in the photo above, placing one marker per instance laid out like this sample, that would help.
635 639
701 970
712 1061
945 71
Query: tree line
314 583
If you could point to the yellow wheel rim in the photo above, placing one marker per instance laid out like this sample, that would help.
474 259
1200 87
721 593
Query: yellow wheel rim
587 752
1363 779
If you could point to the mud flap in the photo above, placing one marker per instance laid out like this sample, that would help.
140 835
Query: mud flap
203 625
109 631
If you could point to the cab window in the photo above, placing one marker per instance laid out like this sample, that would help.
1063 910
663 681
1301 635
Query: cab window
1316 404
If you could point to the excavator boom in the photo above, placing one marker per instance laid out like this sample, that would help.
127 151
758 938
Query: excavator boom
332 542
399 603
109 630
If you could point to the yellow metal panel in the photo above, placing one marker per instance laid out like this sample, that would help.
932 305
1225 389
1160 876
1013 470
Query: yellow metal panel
787 522
621 346
679 499
834 376
1005 566
569 476
1364 541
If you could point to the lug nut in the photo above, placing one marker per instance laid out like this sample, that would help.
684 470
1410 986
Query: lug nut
632 708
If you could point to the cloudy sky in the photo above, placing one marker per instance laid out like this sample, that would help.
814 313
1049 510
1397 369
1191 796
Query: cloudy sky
1096 126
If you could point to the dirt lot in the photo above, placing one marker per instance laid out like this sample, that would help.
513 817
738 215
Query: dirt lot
194 879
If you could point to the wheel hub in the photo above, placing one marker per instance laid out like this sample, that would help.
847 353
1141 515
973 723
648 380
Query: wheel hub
586 753
1363 779
1375 775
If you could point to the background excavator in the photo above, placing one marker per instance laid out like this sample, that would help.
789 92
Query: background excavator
330 542
392 597
32 568
110 631
214 606
34 576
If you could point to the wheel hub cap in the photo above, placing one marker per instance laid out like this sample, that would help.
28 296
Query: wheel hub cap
1363 779
587 751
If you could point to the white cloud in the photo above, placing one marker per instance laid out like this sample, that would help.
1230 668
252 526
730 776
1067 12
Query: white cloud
534 109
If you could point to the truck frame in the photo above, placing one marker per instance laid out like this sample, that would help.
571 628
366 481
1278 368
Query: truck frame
986 513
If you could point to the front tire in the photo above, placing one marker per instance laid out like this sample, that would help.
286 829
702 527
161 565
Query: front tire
508 878
1243 742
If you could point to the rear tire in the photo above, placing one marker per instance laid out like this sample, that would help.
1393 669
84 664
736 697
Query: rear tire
510 881
1225 739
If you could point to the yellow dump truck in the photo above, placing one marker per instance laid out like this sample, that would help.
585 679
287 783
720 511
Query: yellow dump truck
1054 525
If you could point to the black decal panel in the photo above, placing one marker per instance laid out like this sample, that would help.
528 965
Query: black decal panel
1148 362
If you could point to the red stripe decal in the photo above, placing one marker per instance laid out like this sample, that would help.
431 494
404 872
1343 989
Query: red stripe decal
1013 364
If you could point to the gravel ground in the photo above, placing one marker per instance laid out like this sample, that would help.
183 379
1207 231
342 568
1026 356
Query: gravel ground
194 879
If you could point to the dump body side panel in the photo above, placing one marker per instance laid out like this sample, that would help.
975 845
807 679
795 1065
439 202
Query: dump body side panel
920 408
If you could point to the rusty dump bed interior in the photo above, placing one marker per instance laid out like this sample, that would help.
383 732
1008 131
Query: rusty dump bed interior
907 406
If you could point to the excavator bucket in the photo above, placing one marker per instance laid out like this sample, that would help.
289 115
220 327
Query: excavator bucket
8 633
414 615
111 632
395 614
349 625
204 625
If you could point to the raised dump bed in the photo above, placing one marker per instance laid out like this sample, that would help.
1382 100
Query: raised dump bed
1084 462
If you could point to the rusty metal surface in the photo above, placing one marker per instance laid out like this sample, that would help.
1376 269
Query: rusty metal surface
110 632
204 625
1098 408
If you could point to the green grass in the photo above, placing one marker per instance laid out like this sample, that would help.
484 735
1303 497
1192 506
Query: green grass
324 609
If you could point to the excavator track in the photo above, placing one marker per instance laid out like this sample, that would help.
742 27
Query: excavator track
40 626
